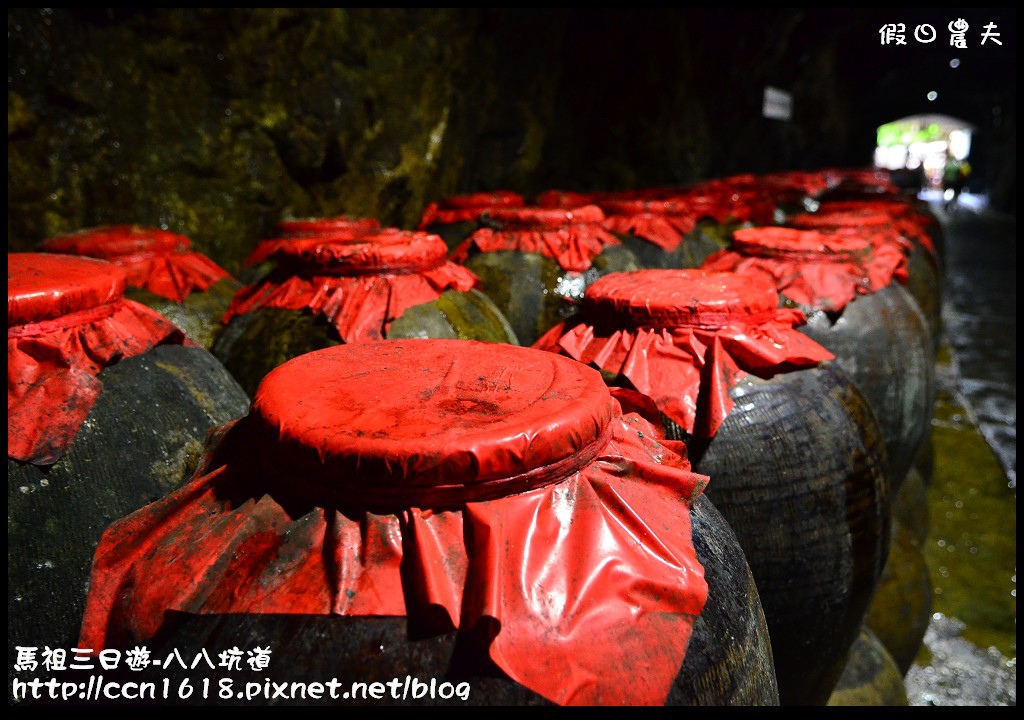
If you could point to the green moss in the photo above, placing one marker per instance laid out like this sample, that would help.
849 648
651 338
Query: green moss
971 547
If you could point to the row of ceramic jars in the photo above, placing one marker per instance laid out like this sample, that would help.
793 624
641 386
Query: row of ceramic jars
475 400
301 266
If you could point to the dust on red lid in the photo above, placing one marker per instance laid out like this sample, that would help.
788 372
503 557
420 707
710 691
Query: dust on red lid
657 298
495 198
45 286
316 226
775 241
114 241
397 416
388 250
545 218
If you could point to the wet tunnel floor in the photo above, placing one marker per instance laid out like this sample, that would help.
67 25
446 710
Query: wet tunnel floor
969 654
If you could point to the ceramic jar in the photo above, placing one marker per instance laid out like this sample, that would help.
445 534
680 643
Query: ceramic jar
108 407
481 517
535 263
794 455
454 218
162 271
857 306
327 291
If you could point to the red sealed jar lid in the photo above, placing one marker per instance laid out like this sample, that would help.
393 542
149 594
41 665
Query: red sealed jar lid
45 286
67 319
156 260
495 198
467 208
495 484
572 237
844 218
118 241
295 230
659 298
641 206
783 242
343 225
566 198
685 337
545 218
427 421
385 251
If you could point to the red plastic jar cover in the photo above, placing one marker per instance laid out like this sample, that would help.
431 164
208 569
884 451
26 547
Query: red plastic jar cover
664 222
67 319
318 226
908 222
156 260
572 237
811 184
877 228
685 338
820 269
491 482
871 180
740 199
335 228
467 208
360 285
567 198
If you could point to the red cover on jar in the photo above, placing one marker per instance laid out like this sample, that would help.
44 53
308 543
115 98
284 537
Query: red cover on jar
567 198
329 226
906 222
342 227
156 260
467 208
67 319
735 199
361 285
663 222
811 184
685 337
872 180
820 269
506 482
572 237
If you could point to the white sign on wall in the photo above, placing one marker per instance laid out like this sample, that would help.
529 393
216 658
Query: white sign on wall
778 104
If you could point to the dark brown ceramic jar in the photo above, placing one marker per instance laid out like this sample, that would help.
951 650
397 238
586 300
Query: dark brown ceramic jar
794 454
108 407
535 263
327 291
896 222
485 518
857 306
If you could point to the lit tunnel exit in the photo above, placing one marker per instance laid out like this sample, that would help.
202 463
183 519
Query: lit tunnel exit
919 148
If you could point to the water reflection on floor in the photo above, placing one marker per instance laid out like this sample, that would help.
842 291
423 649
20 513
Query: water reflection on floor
970 649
